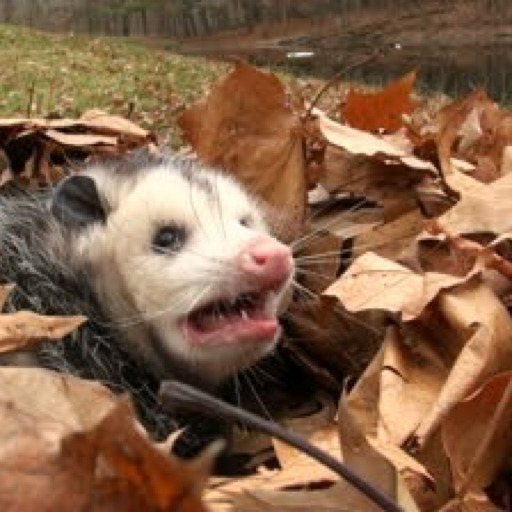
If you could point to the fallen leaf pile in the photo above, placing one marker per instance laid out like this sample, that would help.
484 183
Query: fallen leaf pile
421 203
401 225
36 151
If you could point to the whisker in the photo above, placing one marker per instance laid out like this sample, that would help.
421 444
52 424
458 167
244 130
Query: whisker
345 314
300 241
143 317
257 397
237 390
342 252
304 290
265 375
329 278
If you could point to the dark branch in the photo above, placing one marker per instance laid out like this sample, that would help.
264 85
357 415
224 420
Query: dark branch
175 393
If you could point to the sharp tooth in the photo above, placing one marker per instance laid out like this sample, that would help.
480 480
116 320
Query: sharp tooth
245 316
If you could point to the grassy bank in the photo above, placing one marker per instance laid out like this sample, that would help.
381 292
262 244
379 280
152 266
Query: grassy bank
43 74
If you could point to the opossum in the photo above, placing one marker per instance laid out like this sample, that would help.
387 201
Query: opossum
172 263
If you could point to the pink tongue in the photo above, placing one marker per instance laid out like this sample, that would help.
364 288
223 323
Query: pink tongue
215 330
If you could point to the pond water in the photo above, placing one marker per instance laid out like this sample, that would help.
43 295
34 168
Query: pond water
454 70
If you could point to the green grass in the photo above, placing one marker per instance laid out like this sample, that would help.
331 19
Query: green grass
65 75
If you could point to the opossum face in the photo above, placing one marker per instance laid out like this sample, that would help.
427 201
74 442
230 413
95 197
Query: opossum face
184 257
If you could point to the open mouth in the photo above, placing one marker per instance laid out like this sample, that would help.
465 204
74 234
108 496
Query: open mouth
250 317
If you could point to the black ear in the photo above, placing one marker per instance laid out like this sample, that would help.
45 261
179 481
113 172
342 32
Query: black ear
76 202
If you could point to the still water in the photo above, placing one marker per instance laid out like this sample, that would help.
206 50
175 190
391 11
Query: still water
452 70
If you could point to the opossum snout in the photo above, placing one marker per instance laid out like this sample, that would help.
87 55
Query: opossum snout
266 261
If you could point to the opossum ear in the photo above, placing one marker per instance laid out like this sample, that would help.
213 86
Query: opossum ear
76 202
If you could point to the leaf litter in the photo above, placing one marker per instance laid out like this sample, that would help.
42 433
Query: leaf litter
404 312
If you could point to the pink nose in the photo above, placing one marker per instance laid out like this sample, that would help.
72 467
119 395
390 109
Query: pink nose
267 261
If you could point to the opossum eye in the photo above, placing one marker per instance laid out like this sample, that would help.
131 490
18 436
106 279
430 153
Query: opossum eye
169 239
246 221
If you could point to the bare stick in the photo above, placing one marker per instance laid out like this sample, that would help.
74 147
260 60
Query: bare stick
175 393
31 92
339 75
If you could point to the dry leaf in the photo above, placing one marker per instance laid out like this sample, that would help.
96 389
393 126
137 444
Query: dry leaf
451 123
373 282
101 122
374 168
392 240
32 146
389 401
396 150
411 379
66 444
247 127
80 139
474 502
298 469
383 110
24 329
482 208
477 435
361 457
485 329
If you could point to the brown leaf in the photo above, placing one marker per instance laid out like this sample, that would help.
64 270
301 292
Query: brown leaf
65 444
389 401
410 381
80 139
391 240
383 110
373 282
382 169
483 208
473 502
24 329
361 457
358 142
477 435
454 121
68 403
480 319
298 469
246 126
31 144
101 122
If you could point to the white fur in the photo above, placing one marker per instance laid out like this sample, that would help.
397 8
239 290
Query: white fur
143 288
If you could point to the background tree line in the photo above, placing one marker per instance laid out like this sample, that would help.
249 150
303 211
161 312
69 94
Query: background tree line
172 18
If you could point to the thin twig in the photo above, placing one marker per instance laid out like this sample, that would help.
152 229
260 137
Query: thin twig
338 76
175 393
31 92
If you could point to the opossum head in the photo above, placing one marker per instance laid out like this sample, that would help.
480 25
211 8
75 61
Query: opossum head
182 261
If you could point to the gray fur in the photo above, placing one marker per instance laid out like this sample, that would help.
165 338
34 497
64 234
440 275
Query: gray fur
39 244
34 255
